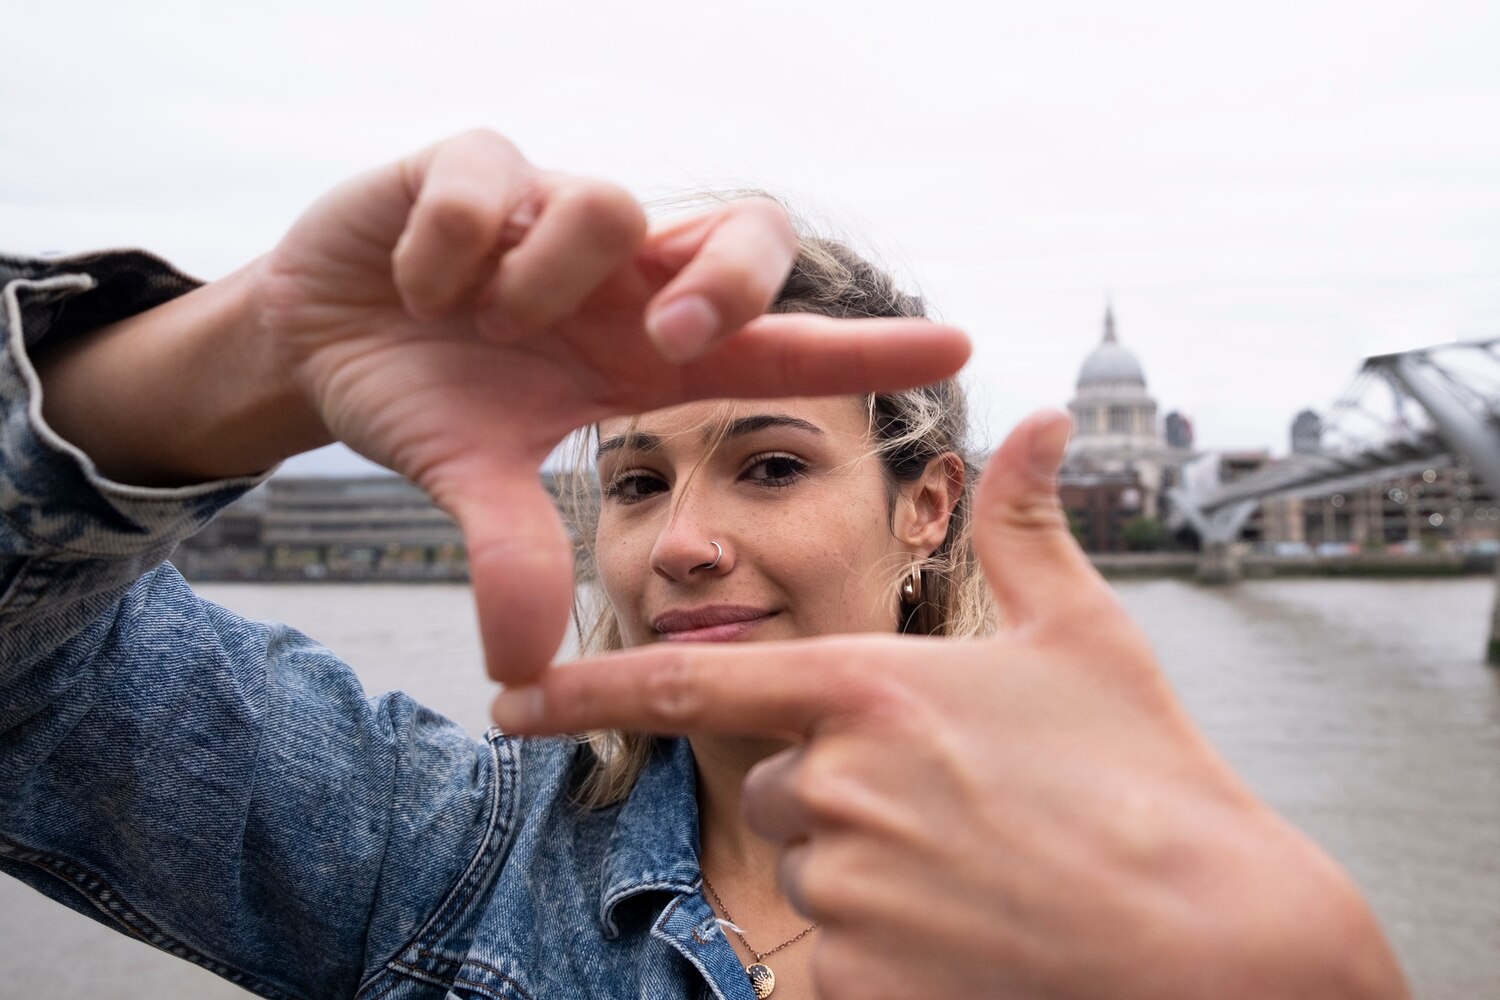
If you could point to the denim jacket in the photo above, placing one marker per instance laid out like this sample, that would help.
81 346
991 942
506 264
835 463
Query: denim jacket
224 790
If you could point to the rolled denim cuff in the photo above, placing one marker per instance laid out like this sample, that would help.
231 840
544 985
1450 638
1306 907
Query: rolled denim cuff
52 497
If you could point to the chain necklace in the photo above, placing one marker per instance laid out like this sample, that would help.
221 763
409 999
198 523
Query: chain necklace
762 979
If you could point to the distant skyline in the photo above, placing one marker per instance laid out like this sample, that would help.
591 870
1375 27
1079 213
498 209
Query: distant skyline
1268 193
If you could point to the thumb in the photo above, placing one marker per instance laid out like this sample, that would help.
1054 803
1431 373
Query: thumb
1021 535
521 568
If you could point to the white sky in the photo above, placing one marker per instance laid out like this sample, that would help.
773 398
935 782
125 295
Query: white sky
1269 191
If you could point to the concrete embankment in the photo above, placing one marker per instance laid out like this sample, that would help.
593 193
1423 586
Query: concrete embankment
1140 565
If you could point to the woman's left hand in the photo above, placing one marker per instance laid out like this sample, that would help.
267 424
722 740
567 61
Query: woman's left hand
454 315
1032 815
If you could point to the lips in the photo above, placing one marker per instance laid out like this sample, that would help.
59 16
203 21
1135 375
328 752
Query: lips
720 623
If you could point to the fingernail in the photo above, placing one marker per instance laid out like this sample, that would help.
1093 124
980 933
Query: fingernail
517 708
684 327
1049 444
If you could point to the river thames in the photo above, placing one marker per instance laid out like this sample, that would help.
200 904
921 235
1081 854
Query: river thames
1360 708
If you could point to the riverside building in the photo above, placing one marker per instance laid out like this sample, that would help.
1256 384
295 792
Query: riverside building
1119 462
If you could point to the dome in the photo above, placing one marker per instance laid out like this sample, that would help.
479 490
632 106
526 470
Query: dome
1109 362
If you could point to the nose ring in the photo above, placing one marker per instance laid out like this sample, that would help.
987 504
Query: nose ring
718 554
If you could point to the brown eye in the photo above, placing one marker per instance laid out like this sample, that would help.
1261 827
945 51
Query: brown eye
774 470
633 487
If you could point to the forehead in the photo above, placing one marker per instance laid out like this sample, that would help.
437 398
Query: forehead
840 416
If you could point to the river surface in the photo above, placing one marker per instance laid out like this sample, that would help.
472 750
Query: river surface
1360 709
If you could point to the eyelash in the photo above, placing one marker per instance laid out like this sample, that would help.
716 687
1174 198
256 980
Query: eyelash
798 469
615 488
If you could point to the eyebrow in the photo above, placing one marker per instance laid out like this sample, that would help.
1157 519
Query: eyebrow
737 428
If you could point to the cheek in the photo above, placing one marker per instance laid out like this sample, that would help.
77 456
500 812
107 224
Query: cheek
841 567
622 570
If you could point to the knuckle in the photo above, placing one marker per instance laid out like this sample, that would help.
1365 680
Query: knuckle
881 694
740 286
868 689
821 787
773 215
571 699
1033 512
846 680
820 890
613 217
1135 835
485 139
523 304
845 875
743 283
455 219
671 690
759 809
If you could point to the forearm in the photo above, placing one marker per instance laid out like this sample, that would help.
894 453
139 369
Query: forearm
224 789
188 391
71 540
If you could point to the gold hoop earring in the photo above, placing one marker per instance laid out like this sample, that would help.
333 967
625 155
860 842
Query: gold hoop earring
911 586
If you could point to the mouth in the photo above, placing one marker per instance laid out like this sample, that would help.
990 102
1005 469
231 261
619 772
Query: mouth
719 623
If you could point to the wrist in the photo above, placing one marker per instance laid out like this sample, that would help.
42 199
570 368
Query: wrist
1309 931
186 392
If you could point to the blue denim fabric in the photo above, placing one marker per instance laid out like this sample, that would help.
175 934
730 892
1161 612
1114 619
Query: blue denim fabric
224 790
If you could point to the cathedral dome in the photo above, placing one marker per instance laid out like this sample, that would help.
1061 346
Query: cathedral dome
1109 363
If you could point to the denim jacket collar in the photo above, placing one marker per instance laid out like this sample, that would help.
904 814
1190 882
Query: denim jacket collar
654 846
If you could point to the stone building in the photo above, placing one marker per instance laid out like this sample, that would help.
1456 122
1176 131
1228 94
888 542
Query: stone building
1099 506
1179 431
1445 507
345 528
1117 445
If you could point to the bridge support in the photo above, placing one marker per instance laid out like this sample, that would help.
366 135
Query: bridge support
1218 563
1492 649
1217 529
1466 430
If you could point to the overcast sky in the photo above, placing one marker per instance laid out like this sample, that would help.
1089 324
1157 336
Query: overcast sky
1268 191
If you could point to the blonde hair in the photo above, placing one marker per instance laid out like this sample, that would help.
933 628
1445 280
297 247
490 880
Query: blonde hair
908 429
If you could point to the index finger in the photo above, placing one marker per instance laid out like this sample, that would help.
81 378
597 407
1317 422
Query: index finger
785 689
802 354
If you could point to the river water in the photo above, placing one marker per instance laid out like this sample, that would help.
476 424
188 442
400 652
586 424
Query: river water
1360 709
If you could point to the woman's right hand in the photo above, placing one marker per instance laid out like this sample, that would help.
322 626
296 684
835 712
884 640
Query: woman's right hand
1031 815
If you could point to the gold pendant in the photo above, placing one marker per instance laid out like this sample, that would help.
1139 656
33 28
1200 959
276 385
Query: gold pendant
762 980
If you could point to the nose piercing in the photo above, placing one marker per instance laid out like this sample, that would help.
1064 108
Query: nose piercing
718 554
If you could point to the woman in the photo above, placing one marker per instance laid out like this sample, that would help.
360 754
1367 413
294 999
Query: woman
222 788
764 520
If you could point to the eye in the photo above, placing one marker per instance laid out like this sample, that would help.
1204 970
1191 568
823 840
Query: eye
777 469
633 487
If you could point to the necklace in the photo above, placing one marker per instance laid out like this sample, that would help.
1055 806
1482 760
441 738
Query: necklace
762 979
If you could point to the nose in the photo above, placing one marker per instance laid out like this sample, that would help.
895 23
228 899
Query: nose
689 547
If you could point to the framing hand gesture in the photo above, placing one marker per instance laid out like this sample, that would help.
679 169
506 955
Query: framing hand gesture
1031 815
452 316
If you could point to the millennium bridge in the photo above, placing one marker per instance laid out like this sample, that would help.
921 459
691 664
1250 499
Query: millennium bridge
1402 414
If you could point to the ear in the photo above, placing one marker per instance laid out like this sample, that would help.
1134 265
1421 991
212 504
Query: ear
927 503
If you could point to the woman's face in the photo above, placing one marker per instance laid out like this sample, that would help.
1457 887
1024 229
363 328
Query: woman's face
792 494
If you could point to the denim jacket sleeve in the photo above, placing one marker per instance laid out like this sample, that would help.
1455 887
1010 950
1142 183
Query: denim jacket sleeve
219 787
